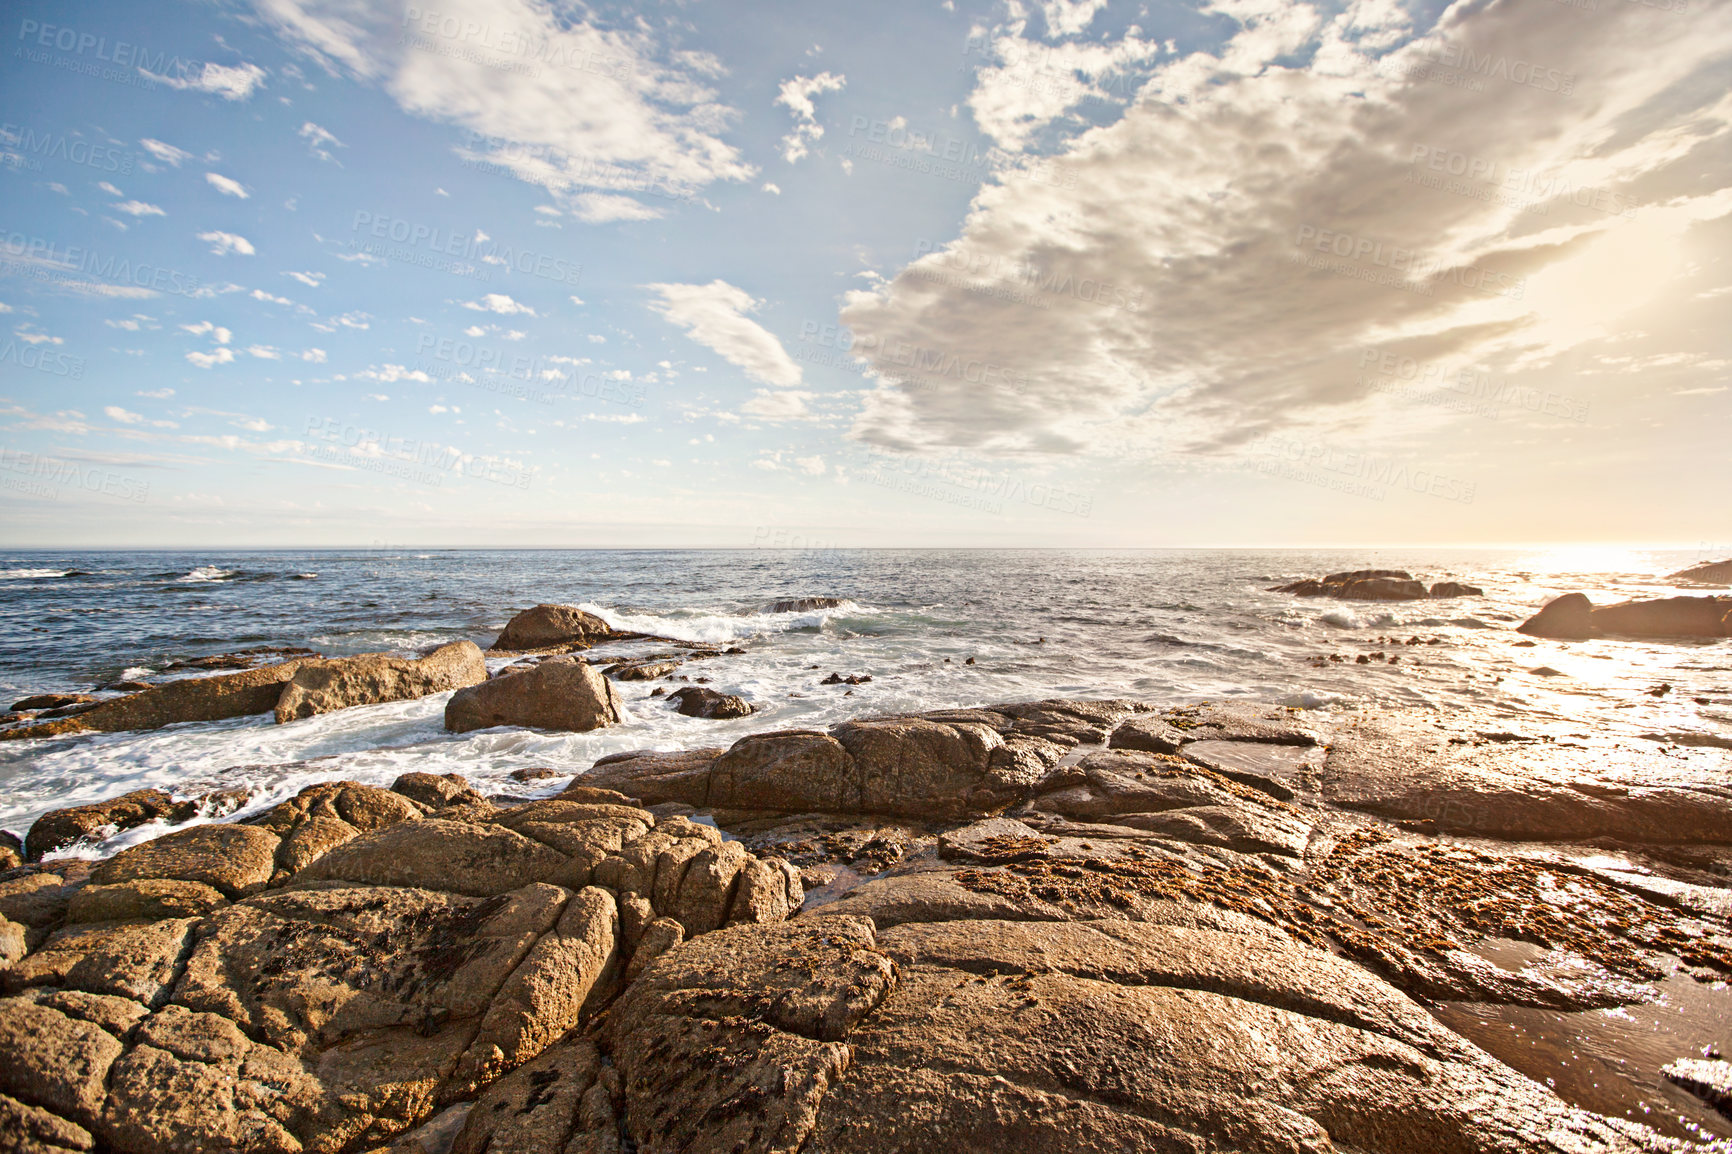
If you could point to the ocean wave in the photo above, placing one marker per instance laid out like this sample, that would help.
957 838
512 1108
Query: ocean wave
208 573
28 574
715 628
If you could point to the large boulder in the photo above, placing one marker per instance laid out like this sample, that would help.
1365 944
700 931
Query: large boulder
1566 618
560 693
235 859
1707 573
698 701
325 685
1573 617
546 626
214 698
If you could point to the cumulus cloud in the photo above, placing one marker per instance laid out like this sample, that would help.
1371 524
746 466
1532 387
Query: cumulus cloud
310 279
499 303
559 101
138 208
219 356
227 186
787 405
1502 190
796 95
714 315
223 243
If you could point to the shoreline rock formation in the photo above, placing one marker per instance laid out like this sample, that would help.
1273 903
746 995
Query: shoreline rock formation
1042 926
1707 573
1573 617
1377 585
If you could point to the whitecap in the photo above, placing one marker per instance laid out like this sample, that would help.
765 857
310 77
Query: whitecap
209 573
715 628
27 574
1341 619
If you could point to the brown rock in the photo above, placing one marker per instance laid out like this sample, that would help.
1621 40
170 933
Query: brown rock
536 1108
214 698
52 701
1455 589
1667 617
653 776
323 685
459 857
657 938
1567 618
1360 585
548 625
560 693
29 1130
697 701
149 899
64 827
37 900
1707 573
641 670
53 1061
236 859
436 791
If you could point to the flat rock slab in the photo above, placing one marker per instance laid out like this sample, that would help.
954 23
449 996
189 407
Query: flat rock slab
1277 770
1409 766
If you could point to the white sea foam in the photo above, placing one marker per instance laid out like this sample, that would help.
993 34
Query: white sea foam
209 573
717 627
27 574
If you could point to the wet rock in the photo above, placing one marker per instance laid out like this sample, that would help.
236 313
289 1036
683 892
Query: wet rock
546 626
40 701
1277 770
1171 730
1667 617
191 699
235 859
803 605
641 670
851 679
560 694
1444 589
1708 1079
1360 585
64 827
696 701
11 850
323 685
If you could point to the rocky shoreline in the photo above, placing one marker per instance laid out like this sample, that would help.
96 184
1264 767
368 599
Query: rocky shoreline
1053 925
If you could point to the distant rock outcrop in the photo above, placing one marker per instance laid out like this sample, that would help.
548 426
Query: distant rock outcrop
1573 617
1707 573
1376 585
546 626
804 605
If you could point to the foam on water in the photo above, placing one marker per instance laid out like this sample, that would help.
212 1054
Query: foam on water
1167 627
28 574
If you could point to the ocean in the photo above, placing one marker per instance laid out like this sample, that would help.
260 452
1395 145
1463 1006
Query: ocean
932 629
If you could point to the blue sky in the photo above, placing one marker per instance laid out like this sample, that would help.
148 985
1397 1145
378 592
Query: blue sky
499 272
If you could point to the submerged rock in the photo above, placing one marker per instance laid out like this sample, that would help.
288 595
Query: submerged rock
323 685
803 605
560 693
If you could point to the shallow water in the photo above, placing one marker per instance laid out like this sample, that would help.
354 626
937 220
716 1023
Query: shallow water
1161 625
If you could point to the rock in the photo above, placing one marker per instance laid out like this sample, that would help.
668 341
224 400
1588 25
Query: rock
1667 617
1277 770
436 791
323 685
696 701
14 941
52 701
37 900
1567 618
213 698
641 670
150 899
53 1061
803 605
1708 1079
64 827
732 1041
562 1101
235 859
851 679
1360 585
789 770
11 850
560 693
459 857
657 938
1171 731
653 776
920 768
1443 589
1707 573
29 1130
546 626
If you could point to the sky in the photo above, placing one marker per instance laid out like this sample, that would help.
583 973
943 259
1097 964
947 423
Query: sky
814 275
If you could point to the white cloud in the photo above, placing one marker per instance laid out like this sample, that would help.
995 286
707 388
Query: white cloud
138 208
223 243
320 141
714 315
391 374
787 405
772 188
31 335
167 153
116 413
314 356
310 279
1169 293
264 353
262 295
216 332
605 208
230 83
156 394
812 466
1069 17
499 303
795 94
226 186
572 107
220 356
